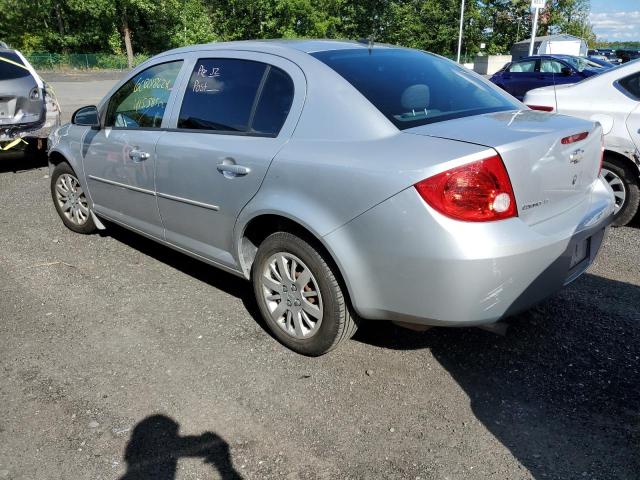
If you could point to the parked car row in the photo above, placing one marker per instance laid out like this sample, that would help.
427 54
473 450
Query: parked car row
519 77
28 107
346 181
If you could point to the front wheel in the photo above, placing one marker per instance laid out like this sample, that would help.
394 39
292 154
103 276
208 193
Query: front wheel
299 295
625 184
70 200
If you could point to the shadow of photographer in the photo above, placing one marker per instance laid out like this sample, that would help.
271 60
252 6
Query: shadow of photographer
156 446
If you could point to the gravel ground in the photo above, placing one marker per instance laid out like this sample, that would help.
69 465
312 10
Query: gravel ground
122 359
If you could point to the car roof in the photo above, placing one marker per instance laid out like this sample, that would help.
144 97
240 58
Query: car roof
293 45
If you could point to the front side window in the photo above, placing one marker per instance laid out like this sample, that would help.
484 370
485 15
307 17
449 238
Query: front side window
548 65
142 101
413 88
527 66
632 85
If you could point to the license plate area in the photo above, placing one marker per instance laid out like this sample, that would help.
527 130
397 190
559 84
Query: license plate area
580 252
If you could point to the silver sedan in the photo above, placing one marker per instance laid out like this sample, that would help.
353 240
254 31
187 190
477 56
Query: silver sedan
346 181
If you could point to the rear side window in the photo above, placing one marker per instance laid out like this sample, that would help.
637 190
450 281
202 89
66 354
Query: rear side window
8 69
632 85
220 94
527 66
233 95
141 102
413 88
274 104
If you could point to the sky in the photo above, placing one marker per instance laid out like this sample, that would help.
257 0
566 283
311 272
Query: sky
616 19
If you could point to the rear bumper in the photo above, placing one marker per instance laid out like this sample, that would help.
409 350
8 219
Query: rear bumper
403 261
40 129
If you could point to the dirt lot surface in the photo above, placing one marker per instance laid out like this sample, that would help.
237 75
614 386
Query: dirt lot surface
122 359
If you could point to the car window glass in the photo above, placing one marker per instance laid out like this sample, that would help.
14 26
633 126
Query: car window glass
141 102
632 85
274 104
220 95
548 65
8 69
523 67
413 88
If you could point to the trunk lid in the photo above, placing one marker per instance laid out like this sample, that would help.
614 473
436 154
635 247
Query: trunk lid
15 105
548 177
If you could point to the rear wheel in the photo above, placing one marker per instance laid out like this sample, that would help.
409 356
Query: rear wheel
625 184
70 200
299 295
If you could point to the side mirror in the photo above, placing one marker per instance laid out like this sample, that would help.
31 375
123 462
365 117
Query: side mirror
87 117
566 71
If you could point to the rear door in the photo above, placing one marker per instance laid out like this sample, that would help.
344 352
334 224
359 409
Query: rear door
521 77
119 159
236 112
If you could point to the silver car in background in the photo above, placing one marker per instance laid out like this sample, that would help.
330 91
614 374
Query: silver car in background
612 99
28 107
346 181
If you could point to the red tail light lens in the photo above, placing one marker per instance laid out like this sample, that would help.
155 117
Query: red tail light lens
601 153
477 192
542 108
574 138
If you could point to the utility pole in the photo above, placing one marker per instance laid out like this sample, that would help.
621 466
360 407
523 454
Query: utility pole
536 5
460 34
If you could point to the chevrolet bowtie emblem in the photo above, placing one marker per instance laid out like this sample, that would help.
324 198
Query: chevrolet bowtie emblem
576 156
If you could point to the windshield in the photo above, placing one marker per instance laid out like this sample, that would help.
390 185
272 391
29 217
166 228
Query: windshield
581 63
413 88
8 69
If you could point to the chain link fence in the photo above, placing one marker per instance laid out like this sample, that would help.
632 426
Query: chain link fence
81 61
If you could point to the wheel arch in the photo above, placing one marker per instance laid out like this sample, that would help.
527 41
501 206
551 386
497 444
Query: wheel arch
626 158
260 226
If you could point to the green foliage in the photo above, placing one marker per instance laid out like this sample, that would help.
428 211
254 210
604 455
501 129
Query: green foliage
67 26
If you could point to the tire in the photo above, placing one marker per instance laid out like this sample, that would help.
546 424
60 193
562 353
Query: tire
626 185
66 190
330 320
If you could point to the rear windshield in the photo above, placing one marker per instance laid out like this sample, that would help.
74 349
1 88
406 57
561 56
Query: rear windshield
413 88
9 71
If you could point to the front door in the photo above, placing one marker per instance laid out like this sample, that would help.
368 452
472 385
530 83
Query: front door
237 112
119 159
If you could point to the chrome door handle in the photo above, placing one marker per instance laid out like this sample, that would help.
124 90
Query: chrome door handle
138 155
232 170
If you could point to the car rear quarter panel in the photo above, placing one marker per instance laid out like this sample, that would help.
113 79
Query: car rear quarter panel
325 184
405 261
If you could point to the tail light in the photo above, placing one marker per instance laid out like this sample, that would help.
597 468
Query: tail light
578 137
476 192
542 108
601 153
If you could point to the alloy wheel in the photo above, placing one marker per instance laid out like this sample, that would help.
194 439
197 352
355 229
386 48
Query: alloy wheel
618 187
71 199
292 295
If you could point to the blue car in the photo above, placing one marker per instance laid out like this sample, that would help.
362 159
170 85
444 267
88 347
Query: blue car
528 73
